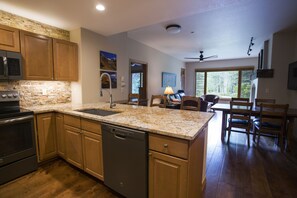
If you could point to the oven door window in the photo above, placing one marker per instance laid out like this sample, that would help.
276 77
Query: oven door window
16 140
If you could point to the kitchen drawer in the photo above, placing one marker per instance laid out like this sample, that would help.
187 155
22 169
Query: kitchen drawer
91 126
72 121
168 145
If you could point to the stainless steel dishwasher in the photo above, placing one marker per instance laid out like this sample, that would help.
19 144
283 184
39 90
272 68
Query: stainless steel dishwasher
125 160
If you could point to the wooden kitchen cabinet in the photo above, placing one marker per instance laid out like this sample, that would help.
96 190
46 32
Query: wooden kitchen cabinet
65 60
167 176
176 166
46 136
92 148
60 135
37 56
9 39
73 139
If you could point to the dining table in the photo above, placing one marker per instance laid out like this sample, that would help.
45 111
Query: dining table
225 108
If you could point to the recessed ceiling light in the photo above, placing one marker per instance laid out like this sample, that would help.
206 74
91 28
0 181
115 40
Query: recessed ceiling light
173 29
100 7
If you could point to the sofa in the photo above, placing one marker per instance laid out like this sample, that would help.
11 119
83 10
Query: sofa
177 97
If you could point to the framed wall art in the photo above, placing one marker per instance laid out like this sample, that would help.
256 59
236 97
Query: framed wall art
108 61
168 79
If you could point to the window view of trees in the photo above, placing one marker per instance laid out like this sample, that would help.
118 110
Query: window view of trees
245 83
136 82
224 83
200 83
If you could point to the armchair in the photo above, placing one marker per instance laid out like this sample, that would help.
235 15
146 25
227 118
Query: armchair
211 99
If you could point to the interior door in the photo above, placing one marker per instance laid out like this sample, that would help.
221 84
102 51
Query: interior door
138 78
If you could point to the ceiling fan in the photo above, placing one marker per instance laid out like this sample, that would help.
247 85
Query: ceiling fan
201 57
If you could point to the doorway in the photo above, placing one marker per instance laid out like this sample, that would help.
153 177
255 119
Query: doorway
138 78
182 78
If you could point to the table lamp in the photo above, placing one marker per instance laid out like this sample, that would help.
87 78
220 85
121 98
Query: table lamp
168 91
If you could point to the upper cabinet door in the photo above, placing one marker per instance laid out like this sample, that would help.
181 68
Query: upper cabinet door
65 60
38 57
9 39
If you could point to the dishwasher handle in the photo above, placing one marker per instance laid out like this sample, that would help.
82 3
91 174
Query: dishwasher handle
120 136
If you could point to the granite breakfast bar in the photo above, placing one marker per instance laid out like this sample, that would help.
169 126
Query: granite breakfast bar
177 142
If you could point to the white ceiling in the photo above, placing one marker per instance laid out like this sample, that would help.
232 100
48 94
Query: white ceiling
222 27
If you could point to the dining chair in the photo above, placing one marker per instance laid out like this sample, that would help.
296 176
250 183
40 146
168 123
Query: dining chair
133 99
240 118
158 100
258 102
190 103
272 121
240 99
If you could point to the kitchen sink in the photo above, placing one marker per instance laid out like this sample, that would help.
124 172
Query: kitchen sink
99 112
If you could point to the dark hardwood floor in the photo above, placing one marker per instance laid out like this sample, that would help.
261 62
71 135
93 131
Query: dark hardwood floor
233 170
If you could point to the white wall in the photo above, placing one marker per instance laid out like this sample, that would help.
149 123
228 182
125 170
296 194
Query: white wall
125 49
283 52
190 69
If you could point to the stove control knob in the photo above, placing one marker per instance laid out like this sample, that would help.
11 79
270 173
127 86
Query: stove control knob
9 95
15 95
3 95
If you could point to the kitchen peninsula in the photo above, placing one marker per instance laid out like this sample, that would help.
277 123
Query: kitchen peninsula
176 142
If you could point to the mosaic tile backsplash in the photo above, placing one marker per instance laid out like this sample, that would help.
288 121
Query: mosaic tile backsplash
40 92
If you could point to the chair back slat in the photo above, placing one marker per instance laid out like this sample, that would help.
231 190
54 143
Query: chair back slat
240 99
158 100
133 99
259 101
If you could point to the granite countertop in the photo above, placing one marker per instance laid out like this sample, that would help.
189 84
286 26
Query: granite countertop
171 122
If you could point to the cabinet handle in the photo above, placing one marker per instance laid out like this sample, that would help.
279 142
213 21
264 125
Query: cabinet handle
165 145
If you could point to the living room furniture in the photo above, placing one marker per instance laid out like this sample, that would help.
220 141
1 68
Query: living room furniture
272 121
190 103
240 118
158 100
225 108
211 99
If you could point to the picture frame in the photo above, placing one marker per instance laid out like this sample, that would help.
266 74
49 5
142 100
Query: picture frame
168 79
108 61
105 80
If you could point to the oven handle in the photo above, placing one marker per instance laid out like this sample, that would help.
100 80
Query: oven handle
15 120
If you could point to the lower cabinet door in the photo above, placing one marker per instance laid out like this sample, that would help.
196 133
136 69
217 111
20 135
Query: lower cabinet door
74 146
167 176
92 152
60 135
46 133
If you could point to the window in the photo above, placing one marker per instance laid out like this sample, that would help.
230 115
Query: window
137 82
231 82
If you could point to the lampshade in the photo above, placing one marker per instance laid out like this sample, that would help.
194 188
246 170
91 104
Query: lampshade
168 90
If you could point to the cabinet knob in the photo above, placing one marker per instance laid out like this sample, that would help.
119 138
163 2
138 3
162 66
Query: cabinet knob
150 154
165 145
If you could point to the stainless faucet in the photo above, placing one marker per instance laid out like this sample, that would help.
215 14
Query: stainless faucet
110 94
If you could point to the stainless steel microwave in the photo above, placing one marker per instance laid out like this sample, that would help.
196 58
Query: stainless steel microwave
10 66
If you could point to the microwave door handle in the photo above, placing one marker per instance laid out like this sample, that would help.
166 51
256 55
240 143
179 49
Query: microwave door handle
15 120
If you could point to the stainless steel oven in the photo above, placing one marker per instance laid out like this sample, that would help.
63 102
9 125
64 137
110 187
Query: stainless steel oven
17 139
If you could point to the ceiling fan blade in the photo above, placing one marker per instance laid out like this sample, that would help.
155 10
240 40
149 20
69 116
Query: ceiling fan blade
191 58
214 56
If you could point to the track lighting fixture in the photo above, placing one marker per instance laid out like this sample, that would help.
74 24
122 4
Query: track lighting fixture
250 46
